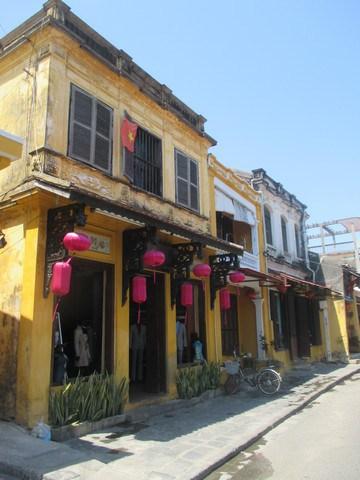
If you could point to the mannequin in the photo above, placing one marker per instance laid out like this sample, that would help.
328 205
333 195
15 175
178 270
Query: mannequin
181 340
137 345
81 346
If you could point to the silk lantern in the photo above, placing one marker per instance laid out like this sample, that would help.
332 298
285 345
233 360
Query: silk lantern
154 258
61 278
225 303
139 294
186 297
76 241
236 277
282 288
202 270
251 294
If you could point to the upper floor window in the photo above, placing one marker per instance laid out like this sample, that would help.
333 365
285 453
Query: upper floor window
284 234
143 167
187 181
268 228
298 242
90 130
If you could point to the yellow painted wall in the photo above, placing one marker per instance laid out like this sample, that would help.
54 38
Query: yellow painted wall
11 272
71 65
35 334
338 331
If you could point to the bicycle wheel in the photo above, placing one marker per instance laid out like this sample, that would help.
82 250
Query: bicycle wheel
268 381
232 384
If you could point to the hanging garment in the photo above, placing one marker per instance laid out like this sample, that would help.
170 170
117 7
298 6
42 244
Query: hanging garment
81 346
181 340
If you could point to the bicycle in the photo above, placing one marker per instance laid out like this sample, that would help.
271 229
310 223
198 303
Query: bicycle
267 380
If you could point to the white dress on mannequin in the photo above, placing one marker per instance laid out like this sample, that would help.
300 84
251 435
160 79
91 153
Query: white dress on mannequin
81 346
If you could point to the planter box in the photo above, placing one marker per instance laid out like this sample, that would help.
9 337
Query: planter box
60 434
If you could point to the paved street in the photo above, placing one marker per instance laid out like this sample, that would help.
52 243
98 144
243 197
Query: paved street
320 443
181 444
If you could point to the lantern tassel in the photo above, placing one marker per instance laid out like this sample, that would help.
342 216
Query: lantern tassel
56 308
138 316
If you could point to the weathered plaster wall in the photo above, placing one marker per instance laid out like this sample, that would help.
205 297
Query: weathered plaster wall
72 65
10 299
23 100
338 330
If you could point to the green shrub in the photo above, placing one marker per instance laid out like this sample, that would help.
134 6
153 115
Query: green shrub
193 381
87 398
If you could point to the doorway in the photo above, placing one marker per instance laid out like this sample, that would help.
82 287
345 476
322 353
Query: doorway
83 329
147 353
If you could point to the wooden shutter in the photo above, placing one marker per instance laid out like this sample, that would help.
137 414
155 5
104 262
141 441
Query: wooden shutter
194 181
80 125
187 181
102 157
182 179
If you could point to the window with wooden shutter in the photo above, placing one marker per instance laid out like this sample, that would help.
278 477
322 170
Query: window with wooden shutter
187 181
90 130
284 234
268 228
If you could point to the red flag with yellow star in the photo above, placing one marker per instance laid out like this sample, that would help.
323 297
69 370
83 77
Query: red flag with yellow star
128 134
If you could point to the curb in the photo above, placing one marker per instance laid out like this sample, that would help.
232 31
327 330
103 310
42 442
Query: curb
264 431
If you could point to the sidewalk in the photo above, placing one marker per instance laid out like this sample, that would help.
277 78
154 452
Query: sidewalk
182 444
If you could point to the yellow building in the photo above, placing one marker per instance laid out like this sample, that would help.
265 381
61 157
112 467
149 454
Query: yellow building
237 217
69 93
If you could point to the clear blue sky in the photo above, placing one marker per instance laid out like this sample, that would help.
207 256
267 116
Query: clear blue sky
278 81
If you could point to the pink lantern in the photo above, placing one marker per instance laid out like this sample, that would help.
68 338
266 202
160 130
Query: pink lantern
153 258
236 277
251 294
282 288
139 294
61 278
186 296
139 289
225 303
202 270
76 241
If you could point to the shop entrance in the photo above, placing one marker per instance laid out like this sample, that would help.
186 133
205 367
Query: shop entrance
83 330
147 357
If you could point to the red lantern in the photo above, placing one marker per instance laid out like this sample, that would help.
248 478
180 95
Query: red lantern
61 278
202 270
76 241
186 295
236 277
139 294
225 303
153 258
251 294
282 288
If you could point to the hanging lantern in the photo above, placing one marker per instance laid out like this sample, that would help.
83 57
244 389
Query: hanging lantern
251 294
76 241
153 258
61 278
225 303
139 294
139 289
202 270
236 277
282 288
186 294
186 297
